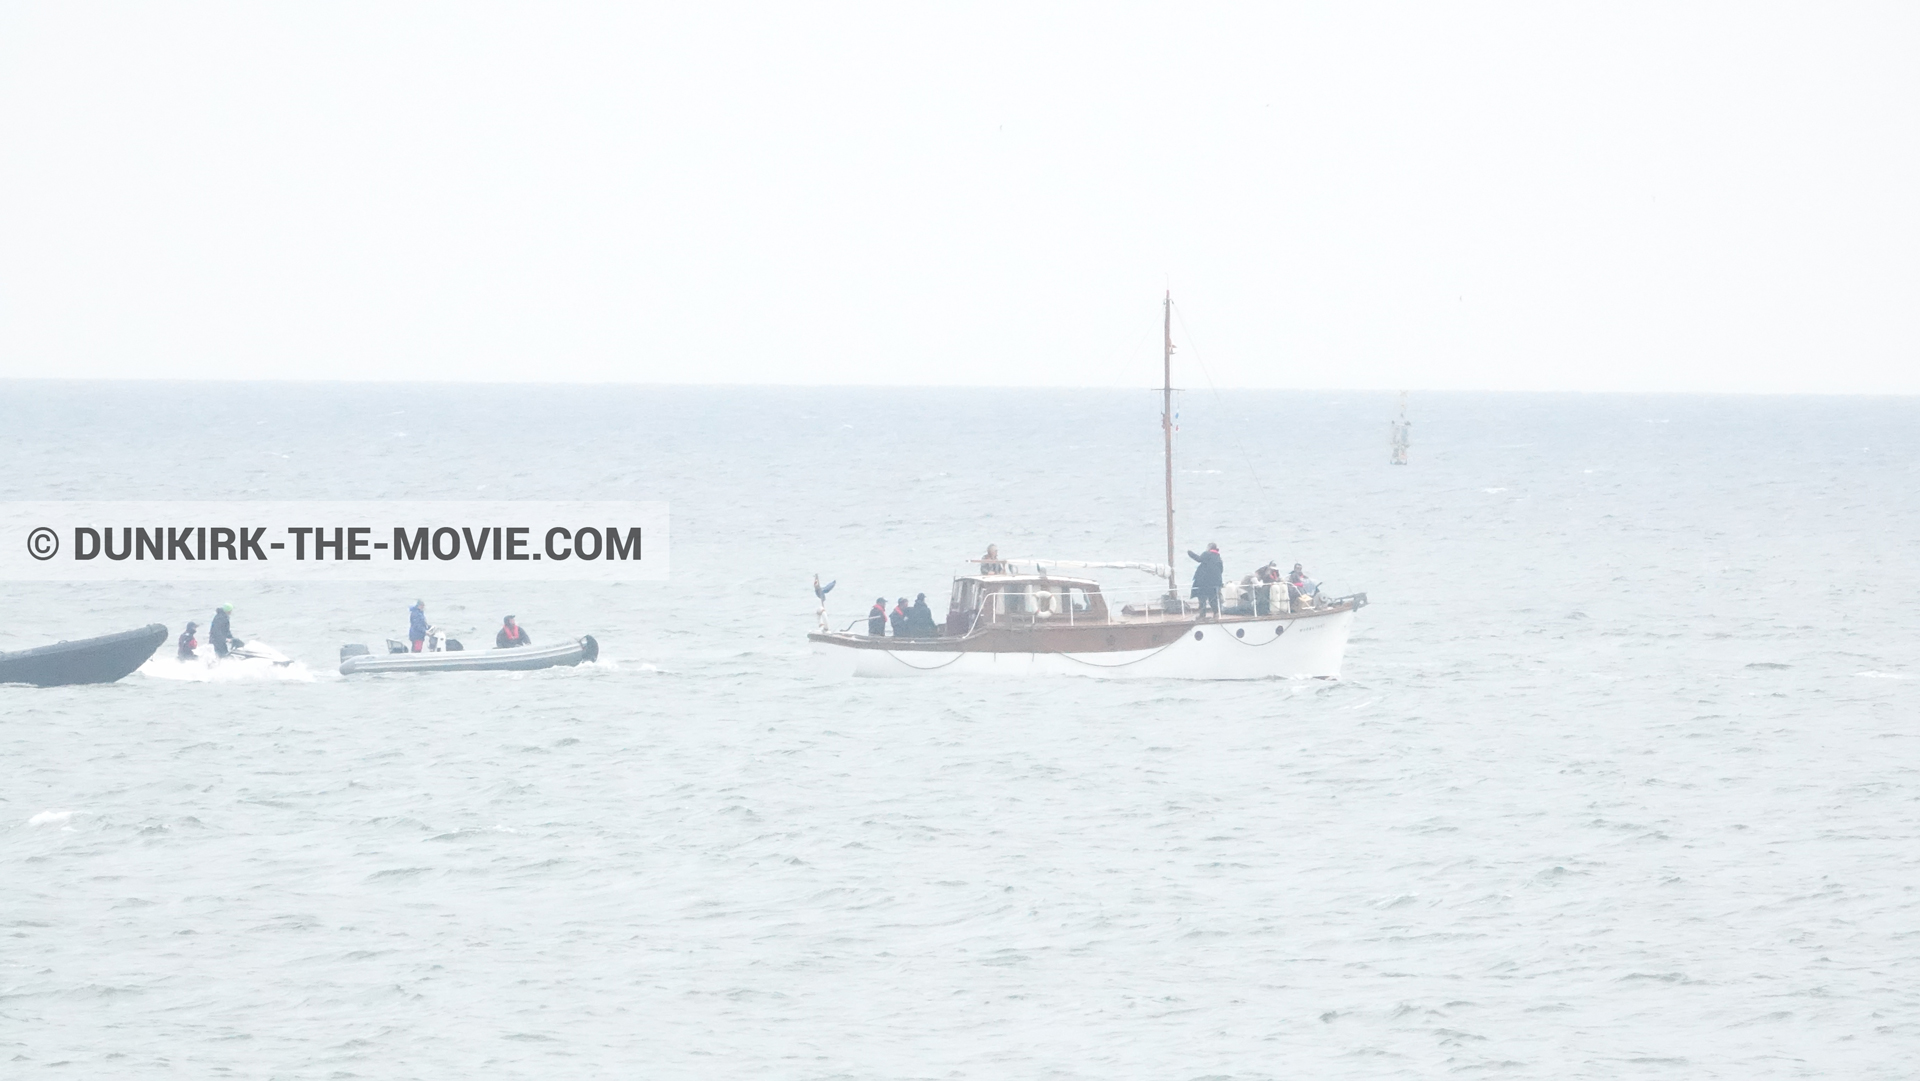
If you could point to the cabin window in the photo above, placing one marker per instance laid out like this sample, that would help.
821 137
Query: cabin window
1077 598
1014 601
965 595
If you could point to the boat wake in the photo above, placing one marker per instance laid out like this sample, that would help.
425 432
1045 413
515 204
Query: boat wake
231 670
594 669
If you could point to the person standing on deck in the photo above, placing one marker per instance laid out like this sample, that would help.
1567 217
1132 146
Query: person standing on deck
898 617
820 593
417 624
877 618
1207 579
920 619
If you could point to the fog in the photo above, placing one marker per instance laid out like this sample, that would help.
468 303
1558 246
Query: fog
1618 197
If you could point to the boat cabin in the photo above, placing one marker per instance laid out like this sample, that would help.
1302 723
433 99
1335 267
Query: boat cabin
1024 600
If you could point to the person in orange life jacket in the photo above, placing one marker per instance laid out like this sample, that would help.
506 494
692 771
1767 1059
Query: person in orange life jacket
188 643
511 634
898 617
877 618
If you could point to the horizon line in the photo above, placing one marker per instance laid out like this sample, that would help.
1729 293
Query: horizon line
293 381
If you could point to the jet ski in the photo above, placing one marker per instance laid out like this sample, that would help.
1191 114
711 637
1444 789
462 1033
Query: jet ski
359 660
256 650
90 660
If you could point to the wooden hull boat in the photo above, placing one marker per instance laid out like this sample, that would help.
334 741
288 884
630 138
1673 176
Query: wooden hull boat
1022 617
1302 644
90 660
522 659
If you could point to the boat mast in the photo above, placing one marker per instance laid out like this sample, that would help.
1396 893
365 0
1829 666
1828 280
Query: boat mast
1166 430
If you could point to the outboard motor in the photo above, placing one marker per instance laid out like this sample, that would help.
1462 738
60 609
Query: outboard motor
454 646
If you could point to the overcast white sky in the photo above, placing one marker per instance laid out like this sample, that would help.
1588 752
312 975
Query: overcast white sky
1524 196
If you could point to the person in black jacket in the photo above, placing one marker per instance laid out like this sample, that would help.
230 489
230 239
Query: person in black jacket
511 634
188 643
898 617
221 633
877 618
1207 579
920 619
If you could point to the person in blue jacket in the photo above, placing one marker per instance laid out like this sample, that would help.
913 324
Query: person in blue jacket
417 624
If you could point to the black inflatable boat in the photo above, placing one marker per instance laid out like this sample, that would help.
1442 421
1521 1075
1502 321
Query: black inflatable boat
90 660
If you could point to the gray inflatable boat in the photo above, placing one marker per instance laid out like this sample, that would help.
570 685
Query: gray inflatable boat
90 660
358 660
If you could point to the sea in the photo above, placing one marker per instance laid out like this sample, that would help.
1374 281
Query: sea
1621 778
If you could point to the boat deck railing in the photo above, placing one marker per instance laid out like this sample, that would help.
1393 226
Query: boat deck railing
1043 608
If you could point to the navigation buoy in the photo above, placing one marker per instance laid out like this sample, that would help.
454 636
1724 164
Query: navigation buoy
1402 433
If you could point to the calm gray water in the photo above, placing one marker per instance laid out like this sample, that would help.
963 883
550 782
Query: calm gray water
1621 780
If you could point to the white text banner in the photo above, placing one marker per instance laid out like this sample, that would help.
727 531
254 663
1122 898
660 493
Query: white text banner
289 541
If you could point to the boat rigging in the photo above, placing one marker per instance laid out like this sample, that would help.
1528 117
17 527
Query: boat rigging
1019 616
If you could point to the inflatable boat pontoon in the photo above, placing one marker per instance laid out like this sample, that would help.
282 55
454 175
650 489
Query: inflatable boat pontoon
358 660
90 660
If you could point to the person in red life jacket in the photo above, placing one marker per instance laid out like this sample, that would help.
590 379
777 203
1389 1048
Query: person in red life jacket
1299 586
511 634
898 617
1267 577
877 618
188 643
